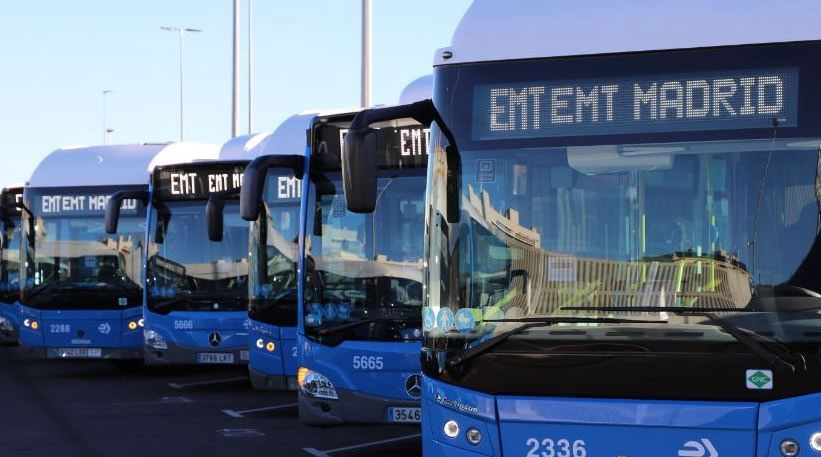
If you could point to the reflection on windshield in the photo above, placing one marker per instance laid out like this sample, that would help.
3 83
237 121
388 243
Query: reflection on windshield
187 271
632 225
274 260
75 263
10 259
365 266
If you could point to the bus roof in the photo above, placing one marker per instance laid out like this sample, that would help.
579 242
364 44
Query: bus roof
114 165
491 30
244 147
418 89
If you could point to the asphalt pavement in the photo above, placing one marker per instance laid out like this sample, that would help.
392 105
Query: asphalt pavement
89 408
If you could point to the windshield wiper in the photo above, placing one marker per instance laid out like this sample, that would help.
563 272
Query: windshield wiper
747 338
531 322
349 325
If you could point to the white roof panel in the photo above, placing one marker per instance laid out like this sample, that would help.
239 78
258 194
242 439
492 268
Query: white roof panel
244 147
114 165
494 30
418 89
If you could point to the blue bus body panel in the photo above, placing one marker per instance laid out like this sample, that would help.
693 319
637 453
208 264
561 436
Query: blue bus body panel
531 426
399 360
282 361
192 328
68 329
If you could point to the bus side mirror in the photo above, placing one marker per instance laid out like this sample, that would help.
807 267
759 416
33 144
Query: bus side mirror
253 180
22 207
214 214
359 169
112 207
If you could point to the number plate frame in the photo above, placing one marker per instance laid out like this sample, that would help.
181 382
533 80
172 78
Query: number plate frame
79 353
405 414
220 358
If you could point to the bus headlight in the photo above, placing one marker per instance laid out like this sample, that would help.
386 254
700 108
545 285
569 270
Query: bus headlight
141 322
154 340
789 448
5 324
260 343
132 325
35 325
815 441
270 346
315 385
451 429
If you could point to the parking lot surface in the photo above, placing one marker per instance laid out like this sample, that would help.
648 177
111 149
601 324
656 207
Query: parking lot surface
86 408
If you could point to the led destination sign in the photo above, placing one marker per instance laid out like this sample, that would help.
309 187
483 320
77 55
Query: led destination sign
199 181
657 103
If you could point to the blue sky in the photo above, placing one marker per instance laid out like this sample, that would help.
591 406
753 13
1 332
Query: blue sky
58 56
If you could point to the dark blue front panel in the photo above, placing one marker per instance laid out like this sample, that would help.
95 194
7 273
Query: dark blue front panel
386 367
272 349
192 329
69 329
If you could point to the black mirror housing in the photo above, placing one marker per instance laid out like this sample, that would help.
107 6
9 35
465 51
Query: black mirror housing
112 207
214 216
359 169
253 180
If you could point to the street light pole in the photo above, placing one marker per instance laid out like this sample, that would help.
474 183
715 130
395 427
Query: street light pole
105 123
180 31
250 65
366 54
235 75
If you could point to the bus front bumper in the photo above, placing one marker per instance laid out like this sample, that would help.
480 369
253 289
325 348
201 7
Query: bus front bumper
122 353
350 407
176 354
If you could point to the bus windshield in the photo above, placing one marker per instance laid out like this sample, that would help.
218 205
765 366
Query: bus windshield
555 219
274 253
187 271
74 264
366 266
10 256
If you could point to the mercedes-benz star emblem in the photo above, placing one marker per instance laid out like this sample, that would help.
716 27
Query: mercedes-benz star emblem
214 339
413 386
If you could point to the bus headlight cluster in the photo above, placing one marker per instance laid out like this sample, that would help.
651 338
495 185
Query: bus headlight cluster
5 324
154 340
268 346
472 435
31 323
315 385
132 325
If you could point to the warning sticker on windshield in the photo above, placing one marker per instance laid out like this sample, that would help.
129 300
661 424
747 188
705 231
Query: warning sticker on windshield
759 379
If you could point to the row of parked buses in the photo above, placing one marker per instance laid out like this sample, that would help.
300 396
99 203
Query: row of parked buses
615 252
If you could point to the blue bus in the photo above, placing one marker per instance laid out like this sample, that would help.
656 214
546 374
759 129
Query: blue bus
10 213
271 307
81 290
196 285
622 224
359 282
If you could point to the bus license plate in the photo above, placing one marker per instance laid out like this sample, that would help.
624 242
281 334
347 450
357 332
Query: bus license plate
404 414
210 357
80 352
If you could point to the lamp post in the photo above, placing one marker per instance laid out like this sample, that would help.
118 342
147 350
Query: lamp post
106 130
180 31
365 100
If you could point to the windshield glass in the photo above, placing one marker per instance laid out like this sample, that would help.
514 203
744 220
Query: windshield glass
366 266
186 270
10 256
725 225
74 263
274 252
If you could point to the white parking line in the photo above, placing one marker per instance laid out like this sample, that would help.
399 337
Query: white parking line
317 453
177 386
239 414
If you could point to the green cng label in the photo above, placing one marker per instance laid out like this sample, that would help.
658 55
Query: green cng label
759 379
